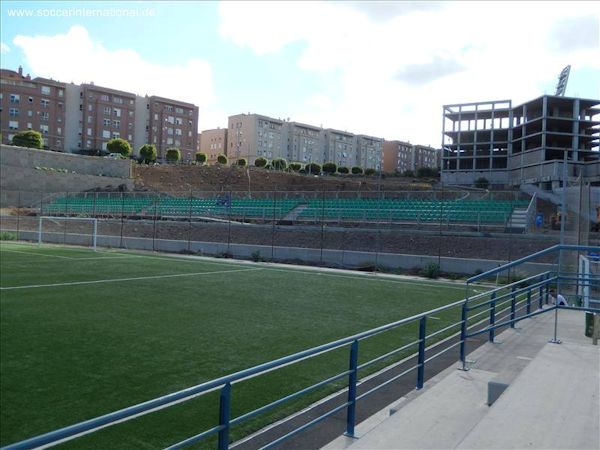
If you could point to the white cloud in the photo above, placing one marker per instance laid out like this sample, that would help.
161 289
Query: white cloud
4 48
76 57
396 67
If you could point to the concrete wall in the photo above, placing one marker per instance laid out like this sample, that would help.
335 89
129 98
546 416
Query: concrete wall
11 156
334 258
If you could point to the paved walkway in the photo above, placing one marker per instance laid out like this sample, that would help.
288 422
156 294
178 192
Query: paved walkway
552 401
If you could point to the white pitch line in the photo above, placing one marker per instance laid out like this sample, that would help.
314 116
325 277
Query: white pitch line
120 256
112 280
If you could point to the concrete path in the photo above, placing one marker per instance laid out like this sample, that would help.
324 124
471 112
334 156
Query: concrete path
552 401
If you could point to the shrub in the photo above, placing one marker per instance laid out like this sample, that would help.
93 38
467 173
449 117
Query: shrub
343 170
119 145
222 159
313 168
8 236
408 174
369 172
427 172
295 166
357 170
260 162
242 162
431 270
279 164
173 155
201 158
329 167
482 183
147 153
30 139
256 256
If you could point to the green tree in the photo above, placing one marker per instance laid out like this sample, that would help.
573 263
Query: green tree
222 159
201 157
173 155
147 153
408 174
369 172
295 167
279 164
427 172
329 167
482 183
313 168
260 162
242 162
119 145
31 139
343 170
357 170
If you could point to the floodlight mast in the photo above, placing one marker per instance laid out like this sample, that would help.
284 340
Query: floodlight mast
561 87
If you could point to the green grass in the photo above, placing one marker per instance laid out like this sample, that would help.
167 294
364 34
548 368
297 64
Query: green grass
75 351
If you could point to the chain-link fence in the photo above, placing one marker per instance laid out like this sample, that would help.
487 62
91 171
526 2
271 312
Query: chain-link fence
340 228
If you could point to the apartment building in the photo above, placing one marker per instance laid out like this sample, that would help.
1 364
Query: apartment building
213 143
525 144
340 147
172 123
105 114
252 135
369 151
305 143
32 104
400 156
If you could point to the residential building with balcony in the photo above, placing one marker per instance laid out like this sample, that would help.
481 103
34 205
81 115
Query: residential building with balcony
32 104
369 152
252 135
305 143
340 148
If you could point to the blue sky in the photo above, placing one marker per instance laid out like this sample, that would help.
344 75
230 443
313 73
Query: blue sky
379 68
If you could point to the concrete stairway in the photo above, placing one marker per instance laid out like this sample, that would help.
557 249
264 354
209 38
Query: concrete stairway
517 223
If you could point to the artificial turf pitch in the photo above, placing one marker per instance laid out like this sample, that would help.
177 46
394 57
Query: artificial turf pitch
85 333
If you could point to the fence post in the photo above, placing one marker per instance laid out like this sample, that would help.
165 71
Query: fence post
492 333
463 336
224 407
421 357
528 309
541 297
513 301
352 380
546 290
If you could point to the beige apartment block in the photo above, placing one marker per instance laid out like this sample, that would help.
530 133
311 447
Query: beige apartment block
399 156
32 104
214 143
105 114
340 148
252 135
305 143
172 123
369 151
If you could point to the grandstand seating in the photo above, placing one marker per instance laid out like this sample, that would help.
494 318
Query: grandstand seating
456 211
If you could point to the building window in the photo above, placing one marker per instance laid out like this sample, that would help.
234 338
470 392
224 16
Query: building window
106 122
46 90
168 108
59 131
13 125
169 141
89 131
15 98
179 110
60 92
118 100
58 142
60 105
116 123
29 125
90 107
89 119
116 135
130 113
171 119
104 98
117 112
178 132
44 115
44 129
107 110
129 137
106 134
170 131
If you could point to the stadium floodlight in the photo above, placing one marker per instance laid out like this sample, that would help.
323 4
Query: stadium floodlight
561 87
45 219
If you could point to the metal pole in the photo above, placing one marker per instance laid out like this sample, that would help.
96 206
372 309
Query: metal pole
513 304
190 224
322 223
352 381
224 412
421 356
273 228
95 238
463 337
122 224
18 213
492 333
528 309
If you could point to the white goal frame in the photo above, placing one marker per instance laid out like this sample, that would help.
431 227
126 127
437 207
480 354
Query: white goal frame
57 218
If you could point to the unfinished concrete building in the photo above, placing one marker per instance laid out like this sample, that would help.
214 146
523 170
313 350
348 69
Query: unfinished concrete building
525 144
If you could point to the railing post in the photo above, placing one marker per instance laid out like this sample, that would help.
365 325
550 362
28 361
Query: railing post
513 301
492 333
421 357
463 337
541 297
528 309
352 380
224 408
547 291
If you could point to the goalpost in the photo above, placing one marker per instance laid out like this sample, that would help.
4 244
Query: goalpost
92 220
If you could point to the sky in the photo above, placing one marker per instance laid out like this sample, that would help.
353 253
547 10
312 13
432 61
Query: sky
383 69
